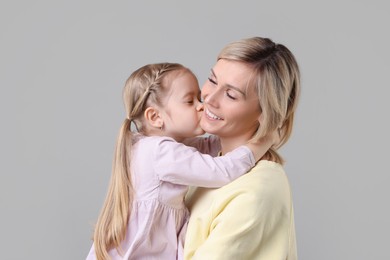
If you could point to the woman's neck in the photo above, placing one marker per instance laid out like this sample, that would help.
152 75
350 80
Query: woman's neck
228 144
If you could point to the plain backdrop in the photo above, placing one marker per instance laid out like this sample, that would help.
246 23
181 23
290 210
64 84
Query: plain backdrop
63 65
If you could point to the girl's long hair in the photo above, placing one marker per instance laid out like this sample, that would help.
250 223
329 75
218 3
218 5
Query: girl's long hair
145 86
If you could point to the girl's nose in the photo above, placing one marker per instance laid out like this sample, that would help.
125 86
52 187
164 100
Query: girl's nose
199 107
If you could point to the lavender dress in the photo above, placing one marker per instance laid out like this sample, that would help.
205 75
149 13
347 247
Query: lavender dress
162 170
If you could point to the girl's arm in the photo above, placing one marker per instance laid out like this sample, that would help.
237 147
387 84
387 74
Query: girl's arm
212 145
180 164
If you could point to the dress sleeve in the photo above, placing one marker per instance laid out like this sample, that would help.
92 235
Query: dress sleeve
181 164
246 228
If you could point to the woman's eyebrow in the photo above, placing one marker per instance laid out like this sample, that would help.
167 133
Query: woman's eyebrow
212 72
228 85
236 89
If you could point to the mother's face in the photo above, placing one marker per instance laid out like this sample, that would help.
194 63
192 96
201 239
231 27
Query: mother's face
231 108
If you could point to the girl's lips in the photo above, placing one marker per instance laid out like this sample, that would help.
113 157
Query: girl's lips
211 115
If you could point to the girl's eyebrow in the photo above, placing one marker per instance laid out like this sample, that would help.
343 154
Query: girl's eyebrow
228 85
191 94
188 94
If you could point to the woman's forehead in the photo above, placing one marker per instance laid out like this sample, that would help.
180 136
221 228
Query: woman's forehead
233 73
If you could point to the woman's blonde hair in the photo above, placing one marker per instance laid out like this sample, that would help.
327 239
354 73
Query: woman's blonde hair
145 86
276 79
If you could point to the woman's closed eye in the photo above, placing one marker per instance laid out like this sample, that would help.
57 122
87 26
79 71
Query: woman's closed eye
212 81
230 94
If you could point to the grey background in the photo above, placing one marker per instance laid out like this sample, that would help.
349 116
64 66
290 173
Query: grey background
63 65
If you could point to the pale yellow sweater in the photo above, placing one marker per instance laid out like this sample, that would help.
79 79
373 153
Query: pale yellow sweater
250 218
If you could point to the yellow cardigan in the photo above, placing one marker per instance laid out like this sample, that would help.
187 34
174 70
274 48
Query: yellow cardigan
250 218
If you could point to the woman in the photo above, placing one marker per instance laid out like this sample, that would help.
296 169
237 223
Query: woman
251 92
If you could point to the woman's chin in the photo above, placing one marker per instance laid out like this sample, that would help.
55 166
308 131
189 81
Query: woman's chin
209 127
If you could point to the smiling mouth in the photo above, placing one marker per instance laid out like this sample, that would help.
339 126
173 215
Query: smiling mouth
211 115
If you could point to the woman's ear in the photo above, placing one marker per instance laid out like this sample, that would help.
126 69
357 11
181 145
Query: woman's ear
153 117
260 119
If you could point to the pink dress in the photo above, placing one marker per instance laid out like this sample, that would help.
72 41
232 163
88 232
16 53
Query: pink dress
162 169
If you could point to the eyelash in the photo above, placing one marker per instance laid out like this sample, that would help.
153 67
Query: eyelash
227 91
230 96
212 81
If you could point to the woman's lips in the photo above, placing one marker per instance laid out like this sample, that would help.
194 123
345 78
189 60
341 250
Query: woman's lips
211 115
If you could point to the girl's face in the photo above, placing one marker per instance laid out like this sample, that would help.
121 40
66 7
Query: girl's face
231 109
183 109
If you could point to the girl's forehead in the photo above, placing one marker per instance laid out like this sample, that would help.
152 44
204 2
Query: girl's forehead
182 84
176 75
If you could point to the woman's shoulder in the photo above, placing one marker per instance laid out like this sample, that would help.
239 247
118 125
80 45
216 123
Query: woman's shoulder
266 181
265 188
267 170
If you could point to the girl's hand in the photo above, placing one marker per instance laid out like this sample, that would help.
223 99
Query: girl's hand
260 147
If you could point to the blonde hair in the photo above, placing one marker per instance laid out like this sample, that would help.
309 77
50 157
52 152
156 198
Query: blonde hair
145 86
276 79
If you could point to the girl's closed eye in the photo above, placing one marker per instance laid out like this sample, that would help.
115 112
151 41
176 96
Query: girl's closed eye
191 100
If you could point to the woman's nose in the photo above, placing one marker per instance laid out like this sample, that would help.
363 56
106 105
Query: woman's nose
209 97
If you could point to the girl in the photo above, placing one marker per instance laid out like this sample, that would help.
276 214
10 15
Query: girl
143 216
